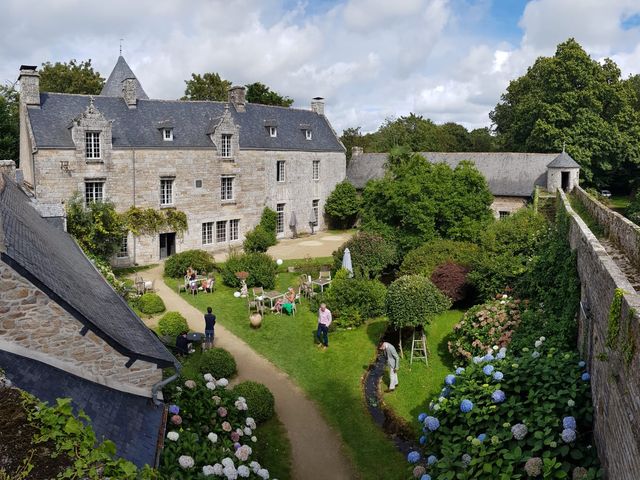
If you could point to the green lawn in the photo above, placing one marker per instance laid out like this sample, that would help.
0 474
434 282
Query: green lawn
273 448
332 378
619 203
418 383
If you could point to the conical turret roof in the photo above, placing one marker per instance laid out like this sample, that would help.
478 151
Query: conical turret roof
563 160
122 71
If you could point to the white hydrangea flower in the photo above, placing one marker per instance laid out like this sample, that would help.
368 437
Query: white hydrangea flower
495 348
571 403
242 399
211 385
212 437
537 344
255 466
542 339
208 470
247 431
173 436
254 439
227 462
209 378
230 472
179 389
239 431
244 471
223 382
218 469
251 423
263 473
186 462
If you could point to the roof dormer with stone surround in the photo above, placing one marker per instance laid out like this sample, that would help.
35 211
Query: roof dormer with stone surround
91 134
225 135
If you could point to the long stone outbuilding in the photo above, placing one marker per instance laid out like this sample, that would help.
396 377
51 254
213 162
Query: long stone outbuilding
220 163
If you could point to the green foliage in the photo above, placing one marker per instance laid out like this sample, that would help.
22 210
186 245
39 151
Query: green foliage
172 324
105 269
309 266
424 259
370 254
573 98
258 240
97 227
218 362
261 267
342 205
484 326
451 279
354 300
613 326
260 93
418 201
259 399
72 77
150 303
269 220
176 265
539 393
9 123
632 212
209 86
413 300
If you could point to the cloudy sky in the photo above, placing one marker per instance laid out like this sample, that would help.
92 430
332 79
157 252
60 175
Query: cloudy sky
448 60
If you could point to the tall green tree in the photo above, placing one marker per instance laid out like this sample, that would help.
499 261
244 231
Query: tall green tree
574 100
259 93
9 123
353 137
71 77
414 131
481 140
209 86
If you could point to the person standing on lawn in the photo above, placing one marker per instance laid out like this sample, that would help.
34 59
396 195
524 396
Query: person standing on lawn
209 325
393 360
324 320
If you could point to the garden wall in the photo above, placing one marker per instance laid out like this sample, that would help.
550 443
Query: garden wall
615 371
622 231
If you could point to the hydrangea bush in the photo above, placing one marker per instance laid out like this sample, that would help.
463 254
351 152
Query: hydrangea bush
210 433
484 326
505 417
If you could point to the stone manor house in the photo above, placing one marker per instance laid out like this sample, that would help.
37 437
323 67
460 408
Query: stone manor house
220 163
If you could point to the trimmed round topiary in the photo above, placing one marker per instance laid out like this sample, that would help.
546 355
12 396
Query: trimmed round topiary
150 303
172 324
370 254
218 362
413 300
259 399
176 265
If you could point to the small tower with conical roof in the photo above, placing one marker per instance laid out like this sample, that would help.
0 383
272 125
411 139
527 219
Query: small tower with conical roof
123 83
563 172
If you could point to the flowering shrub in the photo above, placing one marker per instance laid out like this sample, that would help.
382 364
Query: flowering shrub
535 422
215 436
484 326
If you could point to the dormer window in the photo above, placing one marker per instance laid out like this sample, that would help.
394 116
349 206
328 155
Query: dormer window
307 134
92 145
167 134
225 148
273 132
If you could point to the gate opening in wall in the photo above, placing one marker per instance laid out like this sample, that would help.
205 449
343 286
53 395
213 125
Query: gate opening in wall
565 181
167 244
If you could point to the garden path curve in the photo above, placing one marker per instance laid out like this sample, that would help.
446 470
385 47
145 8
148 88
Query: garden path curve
316 448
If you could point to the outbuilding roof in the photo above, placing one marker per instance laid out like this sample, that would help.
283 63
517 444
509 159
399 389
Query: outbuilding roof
51 259
563 160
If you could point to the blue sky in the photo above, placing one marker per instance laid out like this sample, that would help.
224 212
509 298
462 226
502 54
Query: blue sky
448 60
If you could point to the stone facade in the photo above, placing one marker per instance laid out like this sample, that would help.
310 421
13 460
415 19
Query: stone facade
615 382
554 178
35 326
503 206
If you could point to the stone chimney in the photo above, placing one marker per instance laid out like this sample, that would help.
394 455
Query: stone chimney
8 167
237 97
129 92
29 85
317 105
355 151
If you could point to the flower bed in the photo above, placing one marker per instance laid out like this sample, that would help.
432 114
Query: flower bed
210 433
510 417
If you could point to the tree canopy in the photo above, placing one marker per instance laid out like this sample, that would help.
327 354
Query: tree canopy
259 93
9 123
71 77
574 100
209 86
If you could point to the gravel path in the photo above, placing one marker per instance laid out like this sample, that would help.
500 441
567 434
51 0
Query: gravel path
316 448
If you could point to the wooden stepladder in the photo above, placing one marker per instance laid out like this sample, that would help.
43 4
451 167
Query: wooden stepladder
419 347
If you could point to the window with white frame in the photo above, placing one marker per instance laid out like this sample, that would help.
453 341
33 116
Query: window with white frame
167 134
315 208
316 170
225 148
280 218
234 229
166 191
226 188
124 247
207 233
221 231
273 132
92 145
93 192
280 172
308 135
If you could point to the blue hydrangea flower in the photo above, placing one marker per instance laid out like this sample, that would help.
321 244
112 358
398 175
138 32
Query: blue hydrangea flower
423 440
498 396
432 423
488 369
488 358
498 376
477 360
450 379
569 422
445 392
426 476
421 417
586 377
535 354
174 409
459 370
413 457
501 355
431 459
482 437
519 431
568 435
581 363
466 406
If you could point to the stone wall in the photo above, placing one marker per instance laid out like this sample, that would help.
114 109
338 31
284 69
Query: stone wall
507 204
615 380
32 325
622 231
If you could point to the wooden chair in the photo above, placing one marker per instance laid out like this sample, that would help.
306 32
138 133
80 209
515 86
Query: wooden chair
324 279
184 285
257 305
305 289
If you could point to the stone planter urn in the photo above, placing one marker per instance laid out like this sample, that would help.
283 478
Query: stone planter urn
291 269
255 319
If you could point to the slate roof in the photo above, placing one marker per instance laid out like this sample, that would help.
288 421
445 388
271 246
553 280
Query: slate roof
508 174
121 71
191 122
133 423
563 160
51 259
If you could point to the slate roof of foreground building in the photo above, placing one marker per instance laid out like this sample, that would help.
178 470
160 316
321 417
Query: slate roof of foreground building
508 174
50 259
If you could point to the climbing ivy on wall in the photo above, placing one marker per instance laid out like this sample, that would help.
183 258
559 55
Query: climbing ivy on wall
613 329
147 221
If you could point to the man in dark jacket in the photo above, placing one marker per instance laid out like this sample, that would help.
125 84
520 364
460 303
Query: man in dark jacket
209 325
182 344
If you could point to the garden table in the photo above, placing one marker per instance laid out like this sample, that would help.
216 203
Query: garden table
321 282
195 337
272 295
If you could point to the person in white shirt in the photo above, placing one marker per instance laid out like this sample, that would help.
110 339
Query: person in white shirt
393 360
